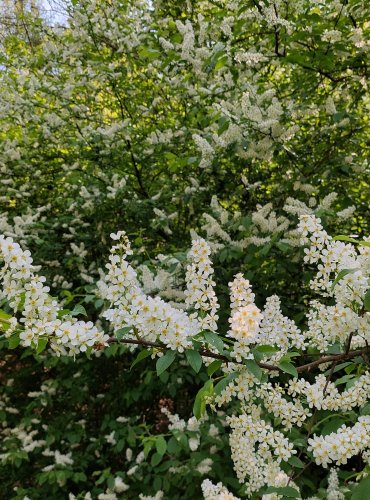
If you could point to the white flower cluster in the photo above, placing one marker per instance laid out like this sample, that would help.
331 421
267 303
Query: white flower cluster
192 428
333 492
26 293
241 293
149 318
278 329
26 438
272 397
250 326
176 423
339 446
59 459
199 293
330 324
187 46
206 151
266 223
161 282
216 491
214 229
257 450
290 413
245 318
324 395
158 496
332 257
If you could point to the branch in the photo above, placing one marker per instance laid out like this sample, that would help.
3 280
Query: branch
333 357
267 366
202 352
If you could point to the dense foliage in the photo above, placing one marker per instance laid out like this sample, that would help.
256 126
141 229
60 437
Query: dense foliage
157 159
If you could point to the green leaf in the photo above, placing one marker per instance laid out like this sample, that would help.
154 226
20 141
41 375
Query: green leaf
222 384
63 312
14 341
223 125
69 297
165 361
213 339
254 368
172 446
361 491
265 249
367 300
122 332
196 344
194 360
41 345
343 237
181 438
284 247
89 298
147 52
266 349
334 349
145 353
161 445
156 458
5 317
221 62
345 379
287 491
120 445
349 367
214 366
148 445
78 309
288 368
288 355
365 410
332 426
342 274
199 406
295 462
163 377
